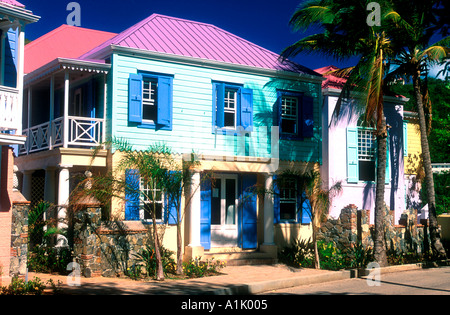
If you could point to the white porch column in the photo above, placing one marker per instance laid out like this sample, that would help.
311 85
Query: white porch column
194 248
63 201
20 70
269 245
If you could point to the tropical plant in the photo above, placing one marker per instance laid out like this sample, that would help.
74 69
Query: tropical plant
345 33
155 166
310 184
412 26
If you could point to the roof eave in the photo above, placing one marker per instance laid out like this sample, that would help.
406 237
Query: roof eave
66 63
200 62
22 14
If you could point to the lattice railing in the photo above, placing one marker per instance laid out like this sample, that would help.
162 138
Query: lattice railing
82 131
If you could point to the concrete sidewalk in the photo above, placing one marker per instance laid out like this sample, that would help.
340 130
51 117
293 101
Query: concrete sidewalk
233 280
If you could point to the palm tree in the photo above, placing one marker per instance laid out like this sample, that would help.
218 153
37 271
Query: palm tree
346 33
413 24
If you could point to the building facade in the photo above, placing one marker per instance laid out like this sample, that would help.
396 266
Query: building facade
14 18
197 88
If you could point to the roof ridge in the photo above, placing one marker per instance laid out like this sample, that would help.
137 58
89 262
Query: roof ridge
61 28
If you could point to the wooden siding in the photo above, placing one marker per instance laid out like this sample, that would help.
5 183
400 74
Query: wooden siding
192 110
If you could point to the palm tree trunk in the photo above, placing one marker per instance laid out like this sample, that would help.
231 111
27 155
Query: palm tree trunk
179 250
316 250
379 244
436 245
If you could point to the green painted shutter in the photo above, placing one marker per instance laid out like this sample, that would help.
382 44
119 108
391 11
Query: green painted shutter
352 155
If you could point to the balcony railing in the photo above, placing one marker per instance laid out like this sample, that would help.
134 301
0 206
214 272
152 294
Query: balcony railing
10 118
82 132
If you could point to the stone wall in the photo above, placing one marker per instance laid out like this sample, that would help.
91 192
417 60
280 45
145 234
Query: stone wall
19 238
106 248
353 226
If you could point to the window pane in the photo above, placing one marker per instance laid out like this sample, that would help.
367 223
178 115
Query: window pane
367 170
229 119
230 202
149 99
287 211
288 126
216 203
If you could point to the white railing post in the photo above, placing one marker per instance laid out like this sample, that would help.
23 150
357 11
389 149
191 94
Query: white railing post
66 110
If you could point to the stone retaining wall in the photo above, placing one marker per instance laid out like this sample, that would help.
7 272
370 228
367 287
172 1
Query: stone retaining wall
19 239
353 226
106 248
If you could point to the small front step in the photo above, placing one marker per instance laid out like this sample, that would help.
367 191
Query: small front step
239 257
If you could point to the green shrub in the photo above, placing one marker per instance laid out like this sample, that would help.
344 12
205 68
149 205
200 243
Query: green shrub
146 259
49 259
299 254
18 286
196 268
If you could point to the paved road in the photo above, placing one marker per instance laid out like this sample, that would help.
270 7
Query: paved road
435 281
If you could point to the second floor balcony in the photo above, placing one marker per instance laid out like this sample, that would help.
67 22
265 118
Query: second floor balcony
64 106
70 132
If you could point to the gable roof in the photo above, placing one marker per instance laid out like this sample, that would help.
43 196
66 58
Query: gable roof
170 35
63 42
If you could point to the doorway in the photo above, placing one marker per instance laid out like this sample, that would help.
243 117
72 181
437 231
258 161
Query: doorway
224 216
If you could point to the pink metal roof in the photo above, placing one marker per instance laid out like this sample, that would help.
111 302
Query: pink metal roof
65 41
177 36
14 3
331 80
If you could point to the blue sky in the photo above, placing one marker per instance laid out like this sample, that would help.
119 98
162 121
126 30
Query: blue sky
262 22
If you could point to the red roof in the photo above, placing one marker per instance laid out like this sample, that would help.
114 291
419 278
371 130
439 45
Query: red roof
65 41
331 80
170 35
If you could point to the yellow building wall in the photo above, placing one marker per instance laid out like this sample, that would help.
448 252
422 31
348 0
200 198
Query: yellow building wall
414 148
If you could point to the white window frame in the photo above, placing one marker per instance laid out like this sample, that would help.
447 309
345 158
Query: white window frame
152 99
291 198
289 111
366 147
144 191
228 101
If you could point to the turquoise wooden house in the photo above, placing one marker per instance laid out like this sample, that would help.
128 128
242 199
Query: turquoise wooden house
246 114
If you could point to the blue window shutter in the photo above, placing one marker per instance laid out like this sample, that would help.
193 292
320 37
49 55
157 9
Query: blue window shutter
249 205
135 98
247 109
352 155
205 214
276 201
218 100
164 116
132 194
307 123
405 138
305 210
11 52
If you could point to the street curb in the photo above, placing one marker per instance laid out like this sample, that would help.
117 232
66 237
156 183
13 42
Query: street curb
265 286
